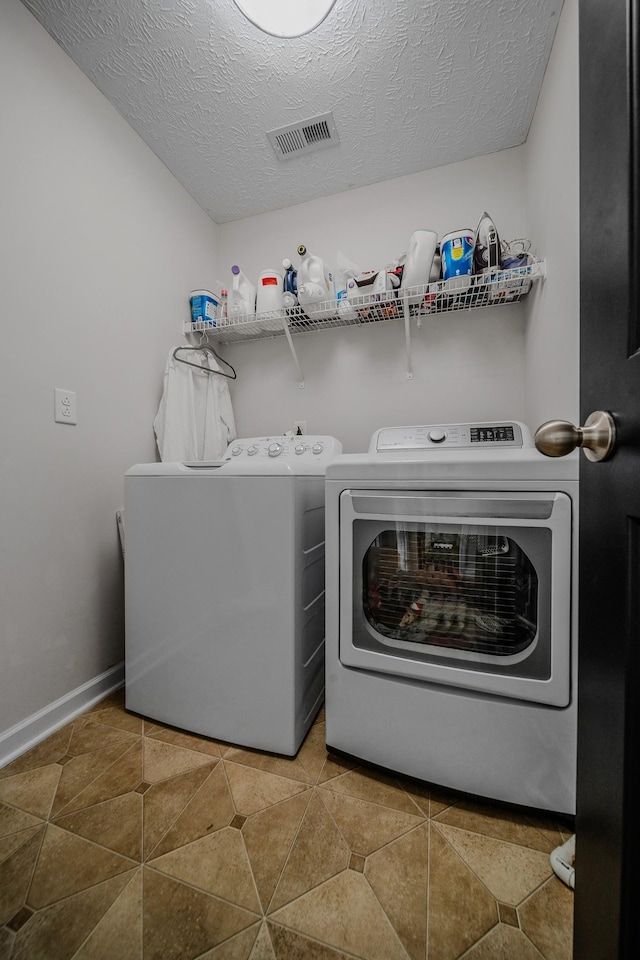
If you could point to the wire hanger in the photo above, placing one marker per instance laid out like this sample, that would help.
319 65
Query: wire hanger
206 348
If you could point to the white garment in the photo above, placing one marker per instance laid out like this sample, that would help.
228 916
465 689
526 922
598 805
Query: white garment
195 417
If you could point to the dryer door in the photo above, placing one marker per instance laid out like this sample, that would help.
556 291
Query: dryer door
471 589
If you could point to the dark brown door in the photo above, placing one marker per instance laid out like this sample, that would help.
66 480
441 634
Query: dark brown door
606 912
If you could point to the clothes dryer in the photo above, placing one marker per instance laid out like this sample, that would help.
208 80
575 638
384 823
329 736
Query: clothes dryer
224 591
451 618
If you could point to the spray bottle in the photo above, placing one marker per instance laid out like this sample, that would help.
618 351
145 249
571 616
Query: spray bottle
315 285
223 307
241 299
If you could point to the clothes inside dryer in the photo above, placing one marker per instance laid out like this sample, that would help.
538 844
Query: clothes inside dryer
466 591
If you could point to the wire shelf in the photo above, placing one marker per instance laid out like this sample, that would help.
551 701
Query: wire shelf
443 296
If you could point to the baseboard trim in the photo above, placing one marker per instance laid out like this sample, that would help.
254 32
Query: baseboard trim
26 734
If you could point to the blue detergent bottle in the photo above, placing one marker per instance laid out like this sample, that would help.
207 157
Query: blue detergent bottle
290 284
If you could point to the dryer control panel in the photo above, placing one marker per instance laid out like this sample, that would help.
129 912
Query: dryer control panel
460 436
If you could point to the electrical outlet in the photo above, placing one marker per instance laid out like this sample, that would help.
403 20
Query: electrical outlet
299 427
64 406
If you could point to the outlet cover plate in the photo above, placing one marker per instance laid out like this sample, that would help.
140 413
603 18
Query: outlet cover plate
64 406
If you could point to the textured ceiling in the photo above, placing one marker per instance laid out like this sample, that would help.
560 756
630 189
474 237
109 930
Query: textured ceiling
412 84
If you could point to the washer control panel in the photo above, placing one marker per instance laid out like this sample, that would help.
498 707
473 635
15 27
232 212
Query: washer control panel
299 449
459 436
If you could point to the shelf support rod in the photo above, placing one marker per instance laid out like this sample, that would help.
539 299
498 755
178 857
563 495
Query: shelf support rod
285 327
407 335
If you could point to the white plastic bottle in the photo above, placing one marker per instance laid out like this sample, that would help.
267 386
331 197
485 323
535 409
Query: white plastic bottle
316 288
270 292
241 299
417 267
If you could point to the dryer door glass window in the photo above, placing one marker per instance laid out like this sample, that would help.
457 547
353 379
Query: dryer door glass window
467 590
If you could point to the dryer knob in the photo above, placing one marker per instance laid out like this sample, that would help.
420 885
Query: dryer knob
437 436
275 449
236 450
252 450
317 448
300 448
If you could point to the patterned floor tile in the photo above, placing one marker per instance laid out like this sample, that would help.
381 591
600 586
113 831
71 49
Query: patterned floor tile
119 932
461 909
217 864
546 918
344 913
32 791
116 824
16 871
269 836
375 788
87 736
244 946
122 837
80 771
165 801
210 808
318 853
116 716
68 864
290 945
292 768
120 776
398 875
49 751
500 823
504 943
59 930
313 752
178 738
13 821
163 760
181 923
366 826
253 790
510 872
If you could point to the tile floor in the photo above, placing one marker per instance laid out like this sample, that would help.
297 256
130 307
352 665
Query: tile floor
121 839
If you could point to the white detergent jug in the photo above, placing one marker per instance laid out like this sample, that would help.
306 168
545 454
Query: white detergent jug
420 256
270 292
316 289
241 299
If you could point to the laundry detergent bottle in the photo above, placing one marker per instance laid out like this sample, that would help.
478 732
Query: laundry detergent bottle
315 285
241 298
290 284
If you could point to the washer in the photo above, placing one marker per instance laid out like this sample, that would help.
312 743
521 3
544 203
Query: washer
224 591
451 641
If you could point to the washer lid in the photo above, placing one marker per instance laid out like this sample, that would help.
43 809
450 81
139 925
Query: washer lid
276 456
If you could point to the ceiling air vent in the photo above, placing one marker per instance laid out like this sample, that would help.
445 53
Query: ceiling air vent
304 137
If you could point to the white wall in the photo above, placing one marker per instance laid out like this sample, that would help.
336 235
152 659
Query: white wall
553 217
99 247
466 365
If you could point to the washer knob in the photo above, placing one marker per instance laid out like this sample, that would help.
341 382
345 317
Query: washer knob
236 450
252 450
437 436
300 448
317 448
274 449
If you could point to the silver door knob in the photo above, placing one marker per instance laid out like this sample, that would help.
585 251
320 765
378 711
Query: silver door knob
557 438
